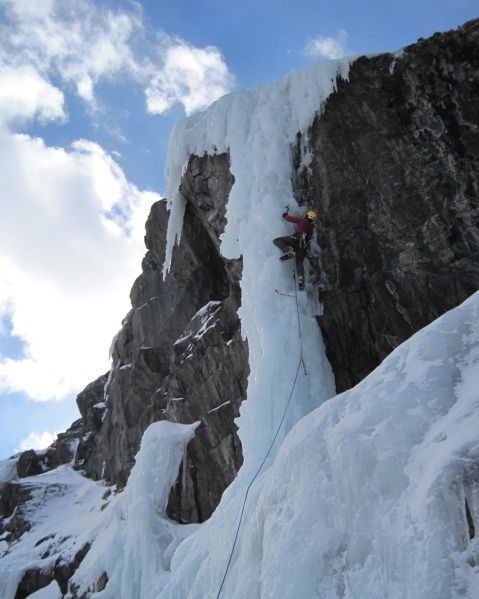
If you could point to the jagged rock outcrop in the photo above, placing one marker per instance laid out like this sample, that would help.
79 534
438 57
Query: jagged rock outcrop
13 519
61 451
394 178
61 571
92 407
179 355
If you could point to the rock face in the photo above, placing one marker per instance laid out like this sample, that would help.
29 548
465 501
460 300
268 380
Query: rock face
13 519
61 451
34 579
179 355
394 178
92 407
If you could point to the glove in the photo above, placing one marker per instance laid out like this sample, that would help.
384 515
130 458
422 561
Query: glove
285 214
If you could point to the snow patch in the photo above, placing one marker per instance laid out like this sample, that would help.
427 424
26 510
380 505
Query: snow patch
52 591
65 514
200 324
219 407
131 538
396 57
8 469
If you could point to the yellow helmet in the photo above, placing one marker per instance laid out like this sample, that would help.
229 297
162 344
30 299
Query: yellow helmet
312 214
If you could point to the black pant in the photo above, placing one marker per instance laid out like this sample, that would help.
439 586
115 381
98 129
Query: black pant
295 243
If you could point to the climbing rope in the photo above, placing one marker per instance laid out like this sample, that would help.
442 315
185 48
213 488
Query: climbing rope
300 363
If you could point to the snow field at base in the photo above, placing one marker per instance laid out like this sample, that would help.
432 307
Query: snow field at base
130 537
366 497
65 514
52 591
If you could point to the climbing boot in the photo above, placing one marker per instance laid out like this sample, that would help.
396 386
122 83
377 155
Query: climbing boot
301 283
287 256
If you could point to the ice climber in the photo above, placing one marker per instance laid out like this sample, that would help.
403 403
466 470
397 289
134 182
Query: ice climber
296 246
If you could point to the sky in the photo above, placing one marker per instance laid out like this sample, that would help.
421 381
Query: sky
89 91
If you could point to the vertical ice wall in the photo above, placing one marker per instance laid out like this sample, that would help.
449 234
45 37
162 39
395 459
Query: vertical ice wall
257 127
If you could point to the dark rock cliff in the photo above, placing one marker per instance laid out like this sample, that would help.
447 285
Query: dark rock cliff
394 178
61 451
179 355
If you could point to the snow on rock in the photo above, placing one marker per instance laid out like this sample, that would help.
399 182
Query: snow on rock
64 513
52 591
8 469
367 495
200 323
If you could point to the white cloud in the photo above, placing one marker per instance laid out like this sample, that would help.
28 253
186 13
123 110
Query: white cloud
71 231
71 224
76 41
81 43
327 47
25 95
194 77
37 441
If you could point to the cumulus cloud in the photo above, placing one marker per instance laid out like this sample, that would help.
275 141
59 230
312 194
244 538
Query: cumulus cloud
71 231
25 95
37 441
195 77
75 41
327 47
81 43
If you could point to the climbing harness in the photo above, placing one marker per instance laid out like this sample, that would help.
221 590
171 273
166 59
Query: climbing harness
300 363
284 294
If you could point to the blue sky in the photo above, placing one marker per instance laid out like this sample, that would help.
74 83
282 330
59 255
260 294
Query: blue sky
261 41
117 75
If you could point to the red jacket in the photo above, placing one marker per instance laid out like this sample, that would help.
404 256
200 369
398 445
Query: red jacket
303 225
